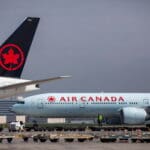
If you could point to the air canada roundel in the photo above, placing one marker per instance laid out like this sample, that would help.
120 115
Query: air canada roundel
51 99
11 57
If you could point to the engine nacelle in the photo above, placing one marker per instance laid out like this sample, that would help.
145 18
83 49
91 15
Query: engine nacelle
132 115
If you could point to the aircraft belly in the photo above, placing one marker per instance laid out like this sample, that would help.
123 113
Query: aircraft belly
17 91
56 110
103 110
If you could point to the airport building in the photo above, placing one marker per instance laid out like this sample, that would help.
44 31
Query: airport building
5 114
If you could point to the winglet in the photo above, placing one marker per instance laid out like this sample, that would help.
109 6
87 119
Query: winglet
66 76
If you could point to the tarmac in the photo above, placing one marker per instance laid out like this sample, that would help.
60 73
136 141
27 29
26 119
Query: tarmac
18 143
90 145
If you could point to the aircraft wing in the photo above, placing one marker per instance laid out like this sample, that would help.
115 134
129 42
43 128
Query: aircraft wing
12 87
31 82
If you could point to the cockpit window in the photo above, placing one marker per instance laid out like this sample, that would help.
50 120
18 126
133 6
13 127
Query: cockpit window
20 102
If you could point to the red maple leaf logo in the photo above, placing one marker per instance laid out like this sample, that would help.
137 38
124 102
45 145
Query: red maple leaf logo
51 98
11 57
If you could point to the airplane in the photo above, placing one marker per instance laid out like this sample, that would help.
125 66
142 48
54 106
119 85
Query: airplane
132 108
13 55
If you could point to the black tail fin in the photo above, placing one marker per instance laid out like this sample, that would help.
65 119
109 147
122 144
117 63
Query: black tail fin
14 50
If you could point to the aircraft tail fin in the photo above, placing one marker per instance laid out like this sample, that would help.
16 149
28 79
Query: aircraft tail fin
14 51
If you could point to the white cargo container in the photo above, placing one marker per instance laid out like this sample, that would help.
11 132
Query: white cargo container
56 120
3 119
21 118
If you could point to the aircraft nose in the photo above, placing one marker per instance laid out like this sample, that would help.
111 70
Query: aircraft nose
11 109
16 108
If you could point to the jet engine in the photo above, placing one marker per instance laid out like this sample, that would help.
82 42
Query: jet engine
132 115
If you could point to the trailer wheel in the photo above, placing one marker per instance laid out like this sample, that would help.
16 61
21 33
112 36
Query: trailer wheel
81 140
43 140
1 129
9 140
133 140
54 140
1 140
25 139
69 140
35 139
91 139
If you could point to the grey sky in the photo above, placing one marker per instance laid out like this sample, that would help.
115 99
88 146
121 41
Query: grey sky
103 44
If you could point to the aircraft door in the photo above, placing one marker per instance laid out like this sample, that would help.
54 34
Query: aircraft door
40 104
146 102
82 105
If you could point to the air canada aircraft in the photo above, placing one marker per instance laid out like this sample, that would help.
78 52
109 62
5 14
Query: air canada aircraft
132 108
13 55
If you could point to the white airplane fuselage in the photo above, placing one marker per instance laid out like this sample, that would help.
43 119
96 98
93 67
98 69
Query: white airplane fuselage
133 105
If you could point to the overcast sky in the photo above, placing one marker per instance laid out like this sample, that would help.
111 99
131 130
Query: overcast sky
103 44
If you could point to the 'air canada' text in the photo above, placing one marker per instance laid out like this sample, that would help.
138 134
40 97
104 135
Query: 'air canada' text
86 99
